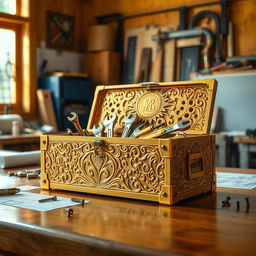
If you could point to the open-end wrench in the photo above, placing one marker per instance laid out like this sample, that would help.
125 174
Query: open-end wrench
182 125
74 119
128 122
98 130
136 130
69 131
109 123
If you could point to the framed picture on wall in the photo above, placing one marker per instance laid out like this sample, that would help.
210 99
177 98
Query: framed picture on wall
60 30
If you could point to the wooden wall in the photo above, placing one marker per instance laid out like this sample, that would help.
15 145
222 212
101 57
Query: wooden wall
68 7
241 12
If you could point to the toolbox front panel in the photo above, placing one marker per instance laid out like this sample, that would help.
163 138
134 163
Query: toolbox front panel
133 168
161 170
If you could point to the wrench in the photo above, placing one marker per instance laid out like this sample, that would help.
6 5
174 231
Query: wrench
129 121
98 131
109 124
136 130
74 119
69 131
182 125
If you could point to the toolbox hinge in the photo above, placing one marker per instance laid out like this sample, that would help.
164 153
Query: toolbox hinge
149 84
43 142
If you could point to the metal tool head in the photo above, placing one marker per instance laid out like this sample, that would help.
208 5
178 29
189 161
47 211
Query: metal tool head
69 131
72 117
99 129
130 118
183 125
111 120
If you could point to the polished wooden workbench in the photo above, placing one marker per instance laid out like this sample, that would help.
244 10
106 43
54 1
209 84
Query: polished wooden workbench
114 226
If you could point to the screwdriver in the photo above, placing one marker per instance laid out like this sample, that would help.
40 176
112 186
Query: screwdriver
149 129
182 125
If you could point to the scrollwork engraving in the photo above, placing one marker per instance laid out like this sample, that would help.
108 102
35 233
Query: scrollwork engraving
135 168
181 178
183 102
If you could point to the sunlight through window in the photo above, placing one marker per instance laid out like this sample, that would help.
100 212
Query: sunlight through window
7 65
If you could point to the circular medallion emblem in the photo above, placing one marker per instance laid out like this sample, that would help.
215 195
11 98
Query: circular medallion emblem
149 105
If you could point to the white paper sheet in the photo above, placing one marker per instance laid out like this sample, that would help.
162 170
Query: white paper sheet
236 180
30 201
15 159
25 188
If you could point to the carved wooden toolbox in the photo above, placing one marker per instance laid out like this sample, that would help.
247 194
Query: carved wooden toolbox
165 170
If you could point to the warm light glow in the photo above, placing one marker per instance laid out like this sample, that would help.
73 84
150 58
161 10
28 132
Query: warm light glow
25 66
8 6
7 66
24 4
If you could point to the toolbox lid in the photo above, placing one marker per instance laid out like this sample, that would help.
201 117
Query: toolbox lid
155 103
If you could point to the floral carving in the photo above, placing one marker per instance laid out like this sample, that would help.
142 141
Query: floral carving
181 178
182 102
135 168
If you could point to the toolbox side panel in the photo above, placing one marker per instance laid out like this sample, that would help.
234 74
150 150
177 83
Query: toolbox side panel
193 166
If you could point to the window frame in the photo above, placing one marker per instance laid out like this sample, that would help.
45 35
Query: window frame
24 20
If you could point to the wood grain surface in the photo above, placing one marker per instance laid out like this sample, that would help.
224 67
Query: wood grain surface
110 226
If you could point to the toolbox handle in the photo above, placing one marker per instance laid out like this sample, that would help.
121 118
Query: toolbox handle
149 84
196 165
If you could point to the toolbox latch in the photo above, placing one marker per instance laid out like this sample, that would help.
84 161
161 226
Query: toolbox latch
98 143
149 84
98 150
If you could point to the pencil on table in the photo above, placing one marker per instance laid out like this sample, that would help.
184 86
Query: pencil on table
9 191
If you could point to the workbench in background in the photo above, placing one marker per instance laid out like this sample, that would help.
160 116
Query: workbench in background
23 142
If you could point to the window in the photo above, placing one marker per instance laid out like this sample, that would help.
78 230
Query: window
17 77
8 6
8 66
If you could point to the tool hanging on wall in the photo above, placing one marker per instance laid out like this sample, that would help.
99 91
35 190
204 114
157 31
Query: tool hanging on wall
158 63
216 20
195 32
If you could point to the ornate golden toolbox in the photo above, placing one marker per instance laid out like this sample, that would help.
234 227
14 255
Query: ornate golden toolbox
164 170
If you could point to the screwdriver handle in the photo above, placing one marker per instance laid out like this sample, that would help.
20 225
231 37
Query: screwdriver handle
144 131
155 134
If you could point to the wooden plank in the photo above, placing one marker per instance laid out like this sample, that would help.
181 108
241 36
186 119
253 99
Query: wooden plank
144 40
158 66
230 40
145 65
169 58
103 67
46 109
